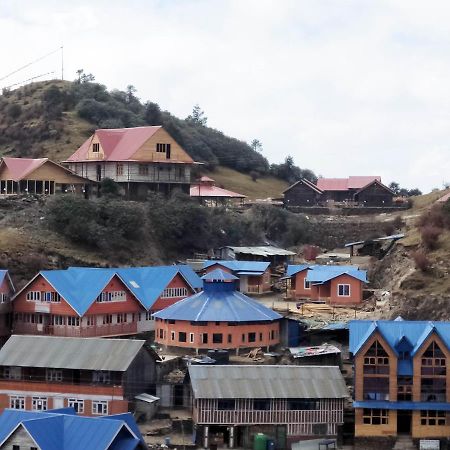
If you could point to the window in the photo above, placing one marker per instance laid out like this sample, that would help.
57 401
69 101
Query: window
225 404
307 284
53 375
251 337
119 169
172 335
3 298
100 407
375 416
181 336
343 290
217 338
262 404
161 333
230 338
73 321
39 403
50 297
404 388
272 335
107 319
204 338
111 296
34 296
101 376
12 373
432 418
16 447
302 404
121 317
57 320
76 404
143 169
191 338
95 148
433 375
149 315
163 148
375 388
174 292
243 338
17 402
90 321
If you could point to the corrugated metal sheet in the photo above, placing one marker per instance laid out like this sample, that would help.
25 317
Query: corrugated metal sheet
239 266
69 353
264 250
267 382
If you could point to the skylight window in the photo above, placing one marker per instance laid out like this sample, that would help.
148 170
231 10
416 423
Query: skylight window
134 284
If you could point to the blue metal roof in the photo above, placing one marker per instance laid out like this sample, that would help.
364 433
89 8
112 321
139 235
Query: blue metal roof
382 404
240 266
3 273
56 431
396 331
80 286
219 275
292 269
318 274
219 302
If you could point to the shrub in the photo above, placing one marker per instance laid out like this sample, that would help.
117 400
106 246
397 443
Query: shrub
398 222
14 111
109 187
434 217
430 236
421 261
388 228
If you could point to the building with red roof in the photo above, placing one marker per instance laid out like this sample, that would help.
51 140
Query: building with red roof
360 190
141 159
208 193
38 176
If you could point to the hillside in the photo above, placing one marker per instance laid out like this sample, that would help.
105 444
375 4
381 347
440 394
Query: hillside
53 118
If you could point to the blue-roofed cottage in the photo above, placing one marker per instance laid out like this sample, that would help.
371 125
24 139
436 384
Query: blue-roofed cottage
219 317
87 302
337 285
402 384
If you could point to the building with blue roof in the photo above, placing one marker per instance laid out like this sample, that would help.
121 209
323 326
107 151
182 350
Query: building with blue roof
6 292
254 276
86 301
218 317
65 430
334 284
402 384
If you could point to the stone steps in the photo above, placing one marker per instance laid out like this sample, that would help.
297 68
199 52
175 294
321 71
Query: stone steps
404 443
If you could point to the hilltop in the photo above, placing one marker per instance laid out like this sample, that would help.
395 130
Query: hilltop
53 118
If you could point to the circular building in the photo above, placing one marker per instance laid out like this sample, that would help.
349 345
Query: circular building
219 317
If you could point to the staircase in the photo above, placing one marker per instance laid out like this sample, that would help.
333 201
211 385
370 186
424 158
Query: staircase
404 442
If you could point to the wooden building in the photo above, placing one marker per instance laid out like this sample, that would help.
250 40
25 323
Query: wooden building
351 191
141 160
94 376
88 302
206 191
6 292
286 403
219 317
254 276
402 384
274 255
63 429
336 285
39 176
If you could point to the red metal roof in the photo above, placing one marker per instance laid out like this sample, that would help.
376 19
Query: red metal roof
344 184
206 190
205 179
20 167
118 144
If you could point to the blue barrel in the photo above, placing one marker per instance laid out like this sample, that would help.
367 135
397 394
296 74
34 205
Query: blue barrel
270 444
167 440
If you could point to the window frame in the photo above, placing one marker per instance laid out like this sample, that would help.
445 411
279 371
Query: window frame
344 286
103 404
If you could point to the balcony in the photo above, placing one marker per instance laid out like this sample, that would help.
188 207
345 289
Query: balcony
120 329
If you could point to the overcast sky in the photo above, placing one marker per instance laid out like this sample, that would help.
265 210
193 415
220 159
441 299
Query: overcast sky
347 87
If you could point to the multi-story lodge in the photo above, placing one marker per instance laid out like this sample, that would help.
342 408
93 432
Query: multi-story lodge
231 404
337 285
94 376
63 429
6 292
219 317
402 385
86 302
141 159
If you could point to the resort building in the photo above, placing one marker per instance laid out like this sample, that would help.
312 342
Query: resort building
219 317
254 276
206 191
336 285
231 404
94 376
6 292
402 385
141 160
87 302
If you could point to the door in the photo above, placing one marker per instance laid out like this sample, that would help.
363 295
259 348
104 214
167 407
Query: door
404 419
99 172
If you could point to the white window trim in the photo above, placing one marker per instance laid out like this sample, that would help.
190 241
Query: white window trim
95 412
191 338
344 295
174 292
172 335
16 398
53 375
305 286
76 401
36 400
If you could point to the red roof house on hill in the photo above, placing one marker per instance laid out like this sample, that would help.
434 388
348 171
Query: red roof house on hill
141 159
211 195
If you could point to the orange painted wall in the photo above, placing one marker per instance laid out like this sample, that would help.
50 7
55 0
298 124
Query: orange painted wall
177 282
299 290
220 328
356 287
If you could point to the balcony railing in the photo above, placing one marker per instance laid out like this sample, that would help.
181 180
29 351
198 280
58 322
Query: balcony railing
120 329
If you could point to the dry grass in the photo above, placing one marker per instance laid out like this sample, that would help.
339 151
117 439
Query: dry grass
262 188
